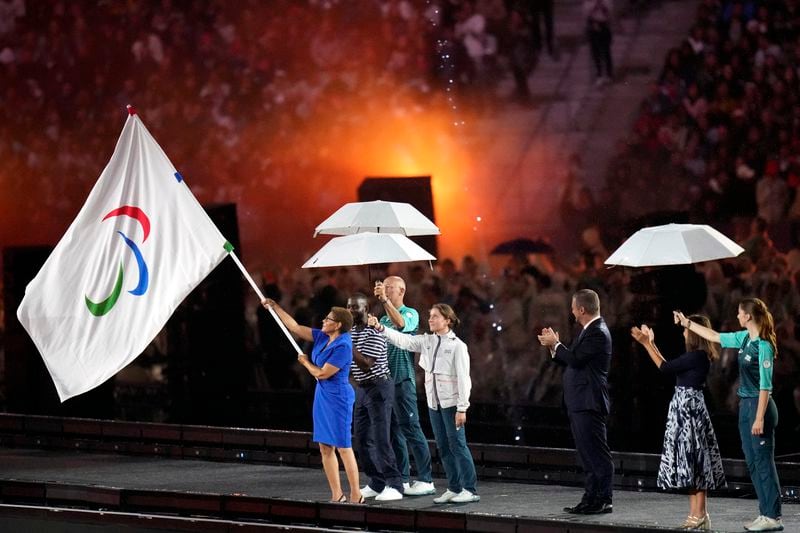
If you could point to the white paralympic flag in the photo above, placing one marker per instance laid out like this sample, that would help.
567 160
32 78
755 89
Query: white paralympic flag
137 248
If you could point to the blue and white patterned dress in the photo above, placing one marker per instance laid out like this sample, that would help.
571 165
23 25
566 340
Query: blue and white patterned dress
690 458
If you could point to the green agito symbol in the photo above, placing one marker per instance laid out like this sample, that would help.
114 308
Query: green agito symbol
103 307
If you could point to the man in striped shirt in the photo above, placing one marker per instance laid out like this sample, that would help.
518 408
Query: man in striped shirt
373 412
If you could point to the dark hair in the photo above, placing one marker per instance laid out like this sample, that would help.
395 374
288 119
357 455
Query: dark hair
763 318
588 299
448 314
696 342
343 317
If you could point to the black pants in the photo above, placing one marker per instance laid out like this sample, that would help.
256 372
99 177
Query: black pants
600 43
542 13
372 421
591 443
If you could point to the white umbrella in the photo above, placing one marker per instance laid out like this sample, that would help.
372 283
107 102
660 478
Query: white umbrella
674 244
378 217
367 248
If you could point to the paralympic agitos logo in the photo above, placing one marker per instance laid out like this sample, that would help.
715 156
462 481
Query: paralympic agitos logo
103 307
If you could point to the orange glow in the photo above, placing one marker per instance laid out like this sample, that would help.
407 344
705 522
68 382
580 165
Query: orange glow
345 142
415 145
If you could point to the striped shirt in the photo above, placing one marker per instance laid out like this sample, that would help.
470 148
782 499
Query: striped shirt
371 344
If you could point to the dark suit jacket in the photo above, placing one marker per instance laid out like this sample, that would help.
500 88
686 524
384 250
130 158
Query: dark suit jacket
587 361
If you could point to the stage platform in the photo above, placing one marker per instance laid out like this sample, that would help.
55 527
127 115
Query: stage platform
62 474
297 496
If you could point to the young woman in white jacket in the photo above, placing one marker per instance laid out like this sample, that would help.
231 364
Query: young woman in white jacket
445 359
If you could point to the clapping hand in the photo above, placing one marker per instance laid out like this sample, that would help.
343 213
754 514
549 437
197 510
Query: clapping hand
548 337
643 335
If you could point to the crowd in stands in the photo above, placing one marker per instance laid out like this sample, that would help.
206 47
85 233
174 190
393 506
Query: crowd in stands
248 98
718 136
721 124
237 103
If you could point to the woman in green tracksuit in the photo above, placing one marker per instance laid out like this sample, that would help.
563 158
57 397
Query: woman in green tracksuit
758 415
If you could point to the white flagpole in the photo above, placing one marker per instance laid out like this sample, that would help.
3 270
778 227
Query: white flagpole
247 276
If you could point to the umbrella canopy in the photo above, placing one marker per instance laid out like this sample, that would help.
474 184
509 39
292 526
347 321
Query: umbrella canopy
366 249
523 246
377 217
674 244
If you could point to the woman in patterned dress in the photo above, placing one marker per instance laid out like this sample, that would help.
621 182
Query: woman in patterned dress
330 360
690 459
758 415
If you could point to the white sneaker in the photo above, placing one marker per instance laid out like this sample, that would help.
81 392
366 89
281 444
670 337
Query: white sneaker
752 523
446 497
418 488
465 496
765 523
389 494
367 492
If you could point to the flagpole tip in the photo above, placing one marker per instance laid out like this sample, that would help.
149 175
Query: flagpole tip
131 109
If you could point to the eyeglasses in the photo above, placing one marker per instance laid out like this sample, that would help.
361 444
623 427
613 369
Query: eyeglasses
330 319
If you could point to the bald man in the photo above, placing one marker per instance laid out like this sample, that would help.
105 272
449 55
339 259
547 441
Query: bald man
406 432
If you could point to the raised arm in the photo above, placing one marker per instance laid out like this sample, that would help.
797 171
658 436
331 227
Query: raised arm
412 343
592 346
646 338
391 311
707 333
393 314
304 332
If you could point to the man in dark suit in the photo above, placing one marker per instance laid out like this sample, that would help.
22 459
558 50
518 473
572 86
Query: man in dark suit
586 398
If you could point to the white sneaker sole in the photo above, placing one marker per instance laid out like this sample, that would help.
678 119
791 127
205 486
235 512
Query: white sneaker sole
471 500
420 493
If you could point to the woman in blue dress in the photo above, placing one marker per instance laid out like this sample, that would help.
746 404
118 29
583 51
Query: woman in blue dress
758 415
334 397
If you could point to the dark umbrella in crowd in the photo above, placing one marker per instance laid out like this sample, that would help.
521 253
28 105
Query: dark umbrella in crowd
523 246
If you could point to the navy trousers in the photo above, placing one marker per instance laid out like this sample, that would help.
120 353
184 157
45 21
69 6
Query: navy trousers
372 423
591 443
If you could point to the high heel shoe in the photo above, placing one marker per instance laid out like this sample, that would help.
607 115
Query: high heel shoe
361 500
689 522
340 499
702 523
